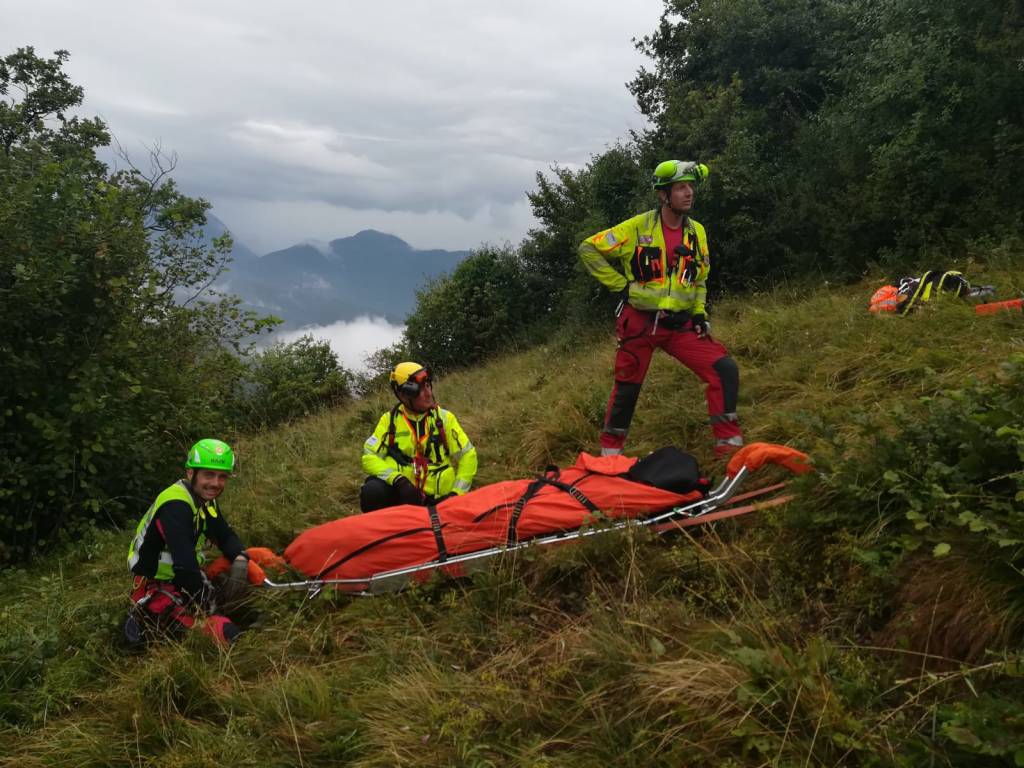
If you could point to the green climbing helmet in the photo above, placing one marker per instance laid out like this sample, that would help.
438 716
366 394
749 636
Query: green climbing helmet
671 171
210 453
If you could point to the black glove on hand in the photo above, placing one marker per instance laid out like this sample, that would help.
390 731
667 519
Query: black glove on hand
623 300
407 492
701 325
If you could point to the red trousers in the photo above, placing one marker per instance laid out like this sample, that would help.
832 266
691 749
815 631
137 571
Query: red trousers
160 607
639 335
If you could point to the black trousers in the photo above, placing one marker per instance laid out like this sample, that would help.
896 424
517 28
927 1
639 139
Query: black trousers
376 494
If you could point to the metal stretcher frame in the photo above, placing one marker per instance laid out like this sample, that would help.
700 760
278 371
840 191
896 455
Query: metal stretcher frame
390 581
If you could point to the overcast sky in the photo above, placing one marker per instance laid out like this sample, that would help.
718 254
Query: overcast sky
427 120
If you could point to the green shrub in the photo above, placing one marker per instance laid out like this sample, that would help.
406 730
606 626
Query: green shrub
478 310
114 355
949 473
291 380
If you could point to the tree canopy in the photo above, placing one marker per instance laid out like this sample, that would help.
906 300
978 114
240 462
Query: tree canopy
840 136
116 354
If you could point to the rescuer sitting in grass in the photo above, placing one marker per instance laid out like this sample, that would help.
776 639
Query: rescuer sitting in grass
171 592
418 454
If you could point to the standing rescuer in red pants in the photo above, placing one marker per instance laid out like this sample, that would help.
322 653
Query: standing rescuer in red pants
664 260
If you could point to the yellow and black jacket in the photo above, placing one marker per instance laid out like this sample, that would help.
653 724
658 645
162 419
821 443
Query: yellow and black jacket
656 280
429 449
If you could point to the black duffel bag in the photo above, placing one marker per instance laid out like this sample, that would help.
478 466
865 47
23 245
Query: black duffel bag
670 469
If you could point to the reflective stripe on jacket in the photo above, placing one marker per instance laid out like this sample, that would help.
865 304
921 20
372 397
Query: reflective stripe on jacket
177 492
442 478
637 246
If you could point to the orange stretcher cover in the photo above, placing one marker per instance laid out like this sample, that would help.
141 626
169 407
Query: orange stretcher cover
361 546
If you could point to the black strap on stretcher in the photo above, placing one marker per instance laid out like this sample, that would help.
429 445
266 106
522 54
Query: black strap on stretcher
436 526
532 490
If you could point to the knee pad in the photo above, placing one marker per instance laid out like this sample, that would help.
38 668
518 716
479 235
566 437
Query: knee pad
375 494
729 374
620 414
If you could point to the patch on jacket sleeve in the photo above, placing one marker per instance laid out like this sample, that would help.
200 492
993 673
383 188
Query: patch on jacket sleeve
605 240
372 441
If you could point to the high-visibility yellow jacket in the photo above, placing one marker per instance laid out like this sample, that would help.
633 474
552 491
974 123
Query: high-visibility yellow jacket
170 538
450 458
637 246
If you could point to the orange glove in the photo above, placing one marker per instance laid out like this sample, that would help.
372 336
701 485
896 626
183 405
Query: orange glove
258 557
218 567
266 558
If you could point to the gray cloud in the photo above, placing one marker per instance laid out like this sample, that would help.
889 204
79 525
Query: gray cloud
433 117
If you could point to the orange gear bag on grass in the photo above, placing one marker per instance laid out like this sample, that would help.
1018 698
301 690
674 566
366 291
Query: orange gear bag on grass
886 299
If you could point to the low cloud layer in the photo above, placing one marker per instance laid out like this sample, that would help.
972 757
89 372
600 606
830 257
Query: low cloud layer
430 119
352 341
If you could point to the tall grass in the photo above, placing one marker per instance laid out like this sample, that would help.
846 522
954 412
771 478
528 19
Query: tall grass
769 640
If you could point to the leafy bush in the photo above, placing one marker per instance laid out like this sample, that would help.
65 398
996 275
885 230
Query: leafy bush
378 368
947 475
291 380
114 355
837 132
982 728
480 309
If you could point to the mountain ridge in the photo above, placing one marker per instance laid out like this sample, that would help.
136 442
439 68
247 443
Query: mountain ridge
369 273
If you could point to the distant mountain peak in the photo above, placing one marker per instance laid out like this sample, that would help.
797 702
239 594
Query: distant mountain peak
370 238
368 273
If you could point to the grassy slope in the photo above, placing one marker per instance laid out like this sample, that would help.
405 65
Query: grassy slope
750 644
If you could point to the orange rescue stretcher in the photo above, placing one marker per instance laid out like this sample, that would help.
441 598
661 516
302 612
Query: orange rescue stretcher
390 549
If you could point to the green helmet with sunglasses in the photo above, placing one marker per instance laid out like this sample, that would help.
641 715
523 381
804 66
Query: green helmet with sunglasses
672 171
408 379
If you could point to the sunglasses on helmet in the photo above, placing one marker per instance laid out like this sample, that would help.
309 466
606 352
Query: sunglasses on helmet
414 384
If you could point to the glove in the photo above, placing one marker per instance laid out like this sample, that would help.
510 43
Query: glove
266 558
407 492
234 588
701 325
257 556
623 300
218 567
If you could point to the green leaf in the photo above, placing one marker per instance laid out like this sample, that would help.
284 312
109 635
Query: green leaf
961 735
941 550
